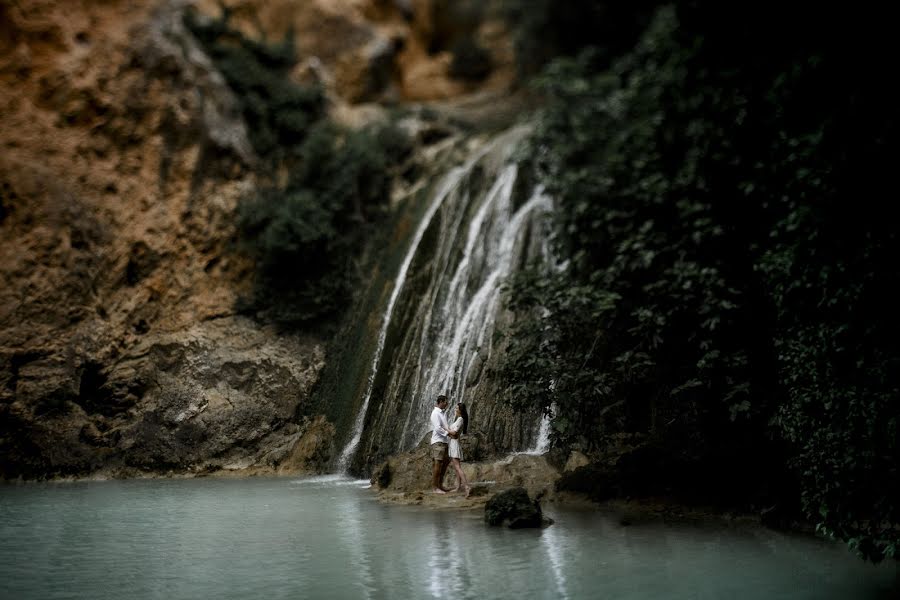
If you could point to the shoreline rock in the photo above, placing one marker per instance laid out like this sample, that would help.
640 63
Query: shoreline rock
409 485
515 509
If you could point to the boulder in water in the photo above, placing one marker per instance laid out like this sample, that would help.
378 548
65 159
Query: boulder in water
515 509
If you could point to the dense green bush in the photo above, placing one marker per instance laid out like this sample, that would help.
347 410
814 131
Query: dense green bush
727 292
321 187
277 111
308 234
544 29
651 278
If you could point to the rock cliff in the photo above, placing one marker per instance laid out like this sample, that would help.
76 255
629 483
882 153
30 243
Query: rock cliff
124 156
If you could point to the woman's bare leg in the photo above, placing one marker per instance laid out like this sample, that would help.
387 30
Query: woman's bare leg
465 482
461 481
458 471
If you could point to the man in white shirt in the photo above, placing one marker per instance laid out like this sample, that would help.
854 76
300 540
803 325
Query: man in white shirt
440 439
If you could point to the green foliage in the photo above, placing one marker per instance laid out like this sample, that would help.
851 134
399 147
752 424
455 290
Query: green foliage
308 234
307 223
544 29
650 308
278 112
727 291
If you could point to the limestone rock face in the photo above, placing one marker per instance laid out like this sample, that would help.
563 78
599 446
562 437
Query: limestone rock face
123 158
372 50
222 395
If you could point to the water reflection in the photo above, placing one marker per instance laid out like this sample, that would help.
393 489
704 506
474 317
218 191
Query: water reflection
553 546
351 534
437 547
328 538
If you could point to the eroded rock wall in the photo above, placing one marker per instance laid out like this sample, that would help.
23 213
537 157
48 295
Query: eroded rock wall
123 159
124 156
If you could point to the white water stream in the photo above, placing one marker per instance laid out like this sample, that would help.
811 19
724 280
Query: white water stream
478 241
450 181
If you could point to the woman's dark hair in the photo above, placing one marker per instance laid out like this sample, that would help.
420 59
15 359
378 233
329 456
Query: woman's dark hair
465 416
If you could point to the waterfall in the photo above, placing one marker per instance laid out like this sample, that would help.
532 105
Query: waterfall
455 307
542 444
350 448
483 223
449 183
468 318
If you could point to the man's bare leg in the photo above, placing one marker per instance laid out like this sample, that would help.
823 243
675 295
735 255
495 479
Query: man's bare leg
444 464
437 477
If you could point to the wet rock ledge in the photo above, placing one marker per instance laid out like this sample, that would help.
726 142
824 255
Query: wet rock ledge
405 478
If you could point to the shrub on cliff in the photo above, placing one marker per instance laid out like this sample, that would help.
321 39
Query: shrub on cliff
307 234
544 29
277 111
307 229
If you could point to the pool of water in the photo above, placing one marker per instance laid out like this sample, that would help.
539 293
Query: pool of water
327 537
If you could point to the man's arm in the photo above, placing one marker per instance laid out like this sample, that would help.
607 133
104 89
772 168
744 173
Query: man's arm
437 425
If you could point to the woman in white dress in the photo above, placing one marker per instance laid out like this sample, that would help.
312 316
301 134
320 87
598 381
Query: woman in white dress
459 426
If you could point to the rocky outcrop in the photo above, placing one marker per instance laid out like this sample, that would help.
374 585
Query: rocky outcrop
124 155
387 50
123 160
629 466
405 478
222 395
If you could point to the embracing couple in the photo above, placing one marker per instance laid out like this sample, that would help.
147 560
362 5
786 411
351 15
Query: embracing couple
445 445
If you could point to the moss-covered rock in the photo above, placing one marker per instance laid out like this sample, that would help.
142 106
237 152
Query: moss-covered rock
515 509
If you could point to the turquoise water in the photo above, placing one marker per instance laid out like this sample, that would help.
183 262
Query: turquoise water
328 538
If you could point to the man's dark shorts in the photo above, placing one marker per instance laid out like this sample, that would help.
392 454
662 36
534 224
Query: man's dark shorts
439 451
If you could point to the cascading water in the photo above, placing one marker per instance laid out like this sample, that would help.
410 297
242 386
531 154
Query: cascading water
449 183
468 318
483 223
542 444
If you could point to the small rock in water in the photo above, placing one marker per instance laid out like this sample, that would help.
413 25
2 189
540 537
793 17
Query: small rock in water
515 509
